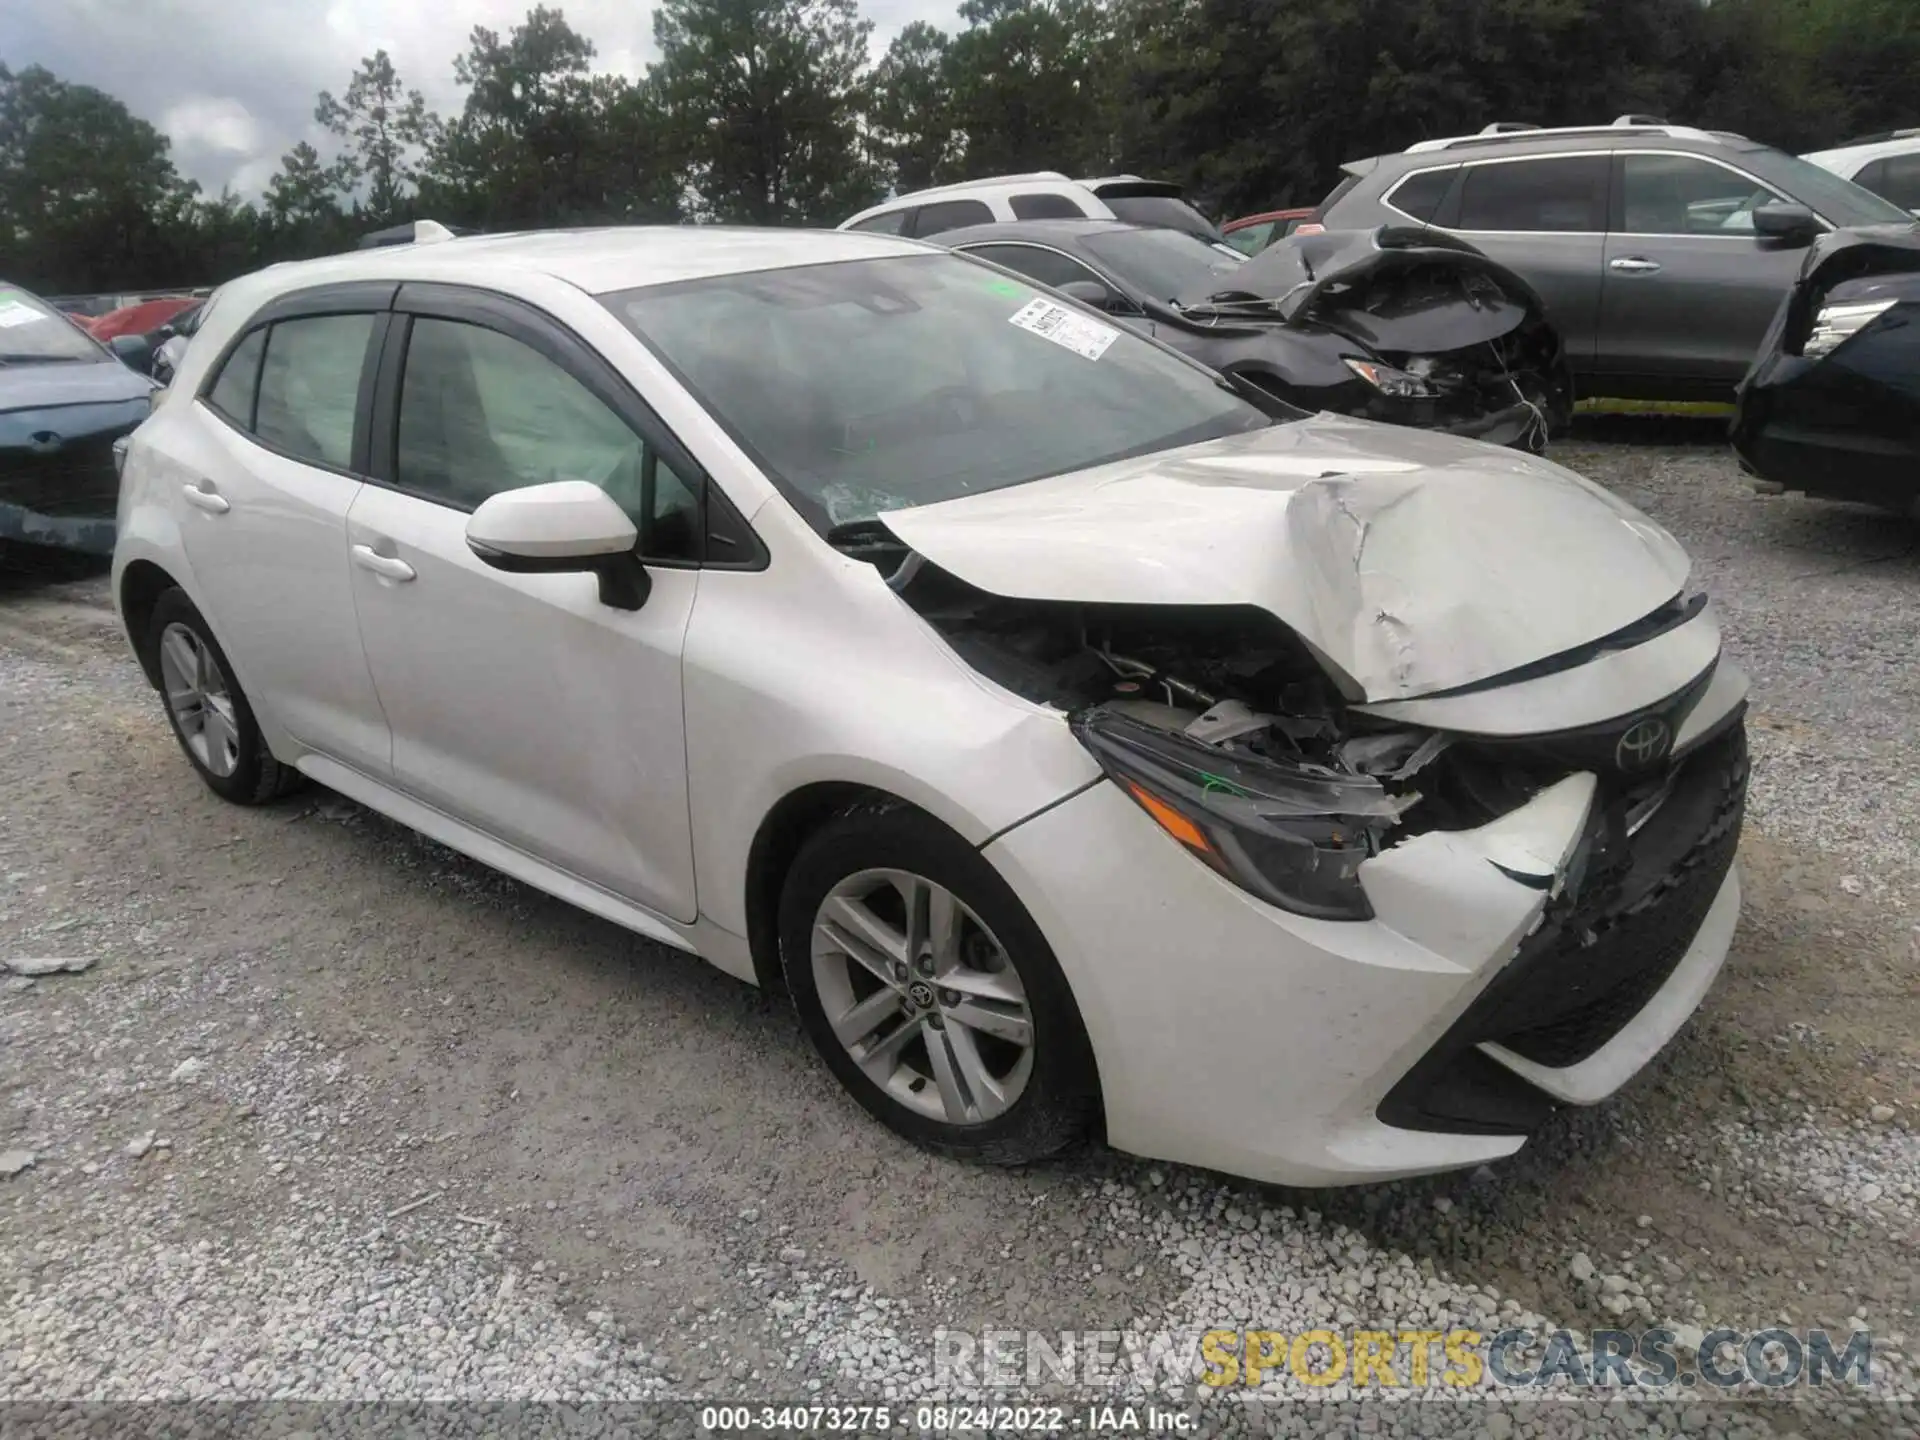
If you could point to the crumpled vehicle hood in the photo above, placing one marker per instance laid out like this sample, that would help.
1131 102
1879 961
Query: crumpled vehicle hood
1410 562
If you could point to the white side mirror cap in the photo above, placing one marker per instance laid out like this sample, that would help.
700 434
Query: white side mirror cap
564 520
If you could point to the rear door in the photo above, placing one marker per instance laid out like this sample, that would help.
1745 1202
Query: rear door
1545 216
266 477
1690 288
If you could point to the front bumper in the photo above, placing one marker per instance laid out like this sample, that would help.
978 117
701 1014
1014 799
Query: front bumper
1525 964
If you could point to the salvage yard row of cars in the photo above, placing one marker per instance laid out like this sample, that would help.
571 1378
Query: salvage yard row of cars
998 658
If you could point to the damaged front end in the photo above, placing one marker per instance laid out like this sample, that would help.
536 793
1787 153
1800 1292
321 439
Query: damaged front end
1230 733
1832 404
1430 332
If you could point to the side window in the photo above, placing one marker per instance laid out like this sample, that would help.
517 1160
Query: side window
1049 267
1420 195
480 412
1251 239
233 389
948 215
893 222
1900 181
310 386
1557 194
1045 207
1686 195
1872 177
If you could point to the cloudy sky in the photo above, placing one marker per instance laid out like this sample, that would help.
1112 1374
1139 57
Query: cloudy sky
232 82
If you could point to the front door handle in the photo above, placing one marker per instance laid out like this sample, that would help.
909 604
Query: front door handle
207 500
1634 265
390 567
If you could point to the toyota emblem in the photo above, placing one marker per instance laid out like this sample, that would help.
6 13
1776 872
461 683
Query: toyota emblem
1644 744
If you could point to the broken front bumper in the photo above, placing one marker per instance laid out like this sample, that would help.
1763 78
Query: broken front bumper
1527 963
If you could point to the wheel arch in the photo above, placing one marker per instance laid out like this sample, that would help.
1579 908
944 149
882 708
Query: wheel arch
142 584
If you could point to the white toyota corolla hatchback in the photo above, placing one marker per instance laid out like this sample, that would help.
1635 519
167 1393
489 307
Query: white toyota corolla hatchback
1077 741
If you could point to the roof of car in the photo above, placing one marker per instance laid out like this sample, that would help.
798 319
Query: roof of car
1873 147
597 261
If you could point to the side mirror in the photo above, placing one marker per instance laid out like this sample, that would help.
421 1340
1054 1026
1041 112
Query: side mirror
565 527
1091 292
134 352
1790 224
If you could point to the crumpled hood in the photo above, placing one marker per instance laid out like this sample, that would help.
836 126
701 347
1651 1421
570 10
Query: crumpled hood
1411 562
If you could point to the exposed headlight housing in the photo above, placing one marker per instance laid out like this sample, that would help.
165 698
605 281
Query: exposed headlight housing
1838 323
1393 383
1294 834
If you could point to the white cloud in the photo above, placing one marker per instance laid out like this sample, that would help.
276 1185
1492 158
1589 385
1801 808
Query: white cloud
233 82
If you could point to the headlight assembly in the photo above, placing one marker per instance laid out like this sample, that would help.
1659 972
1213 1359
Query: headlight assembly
1836 324
1293 834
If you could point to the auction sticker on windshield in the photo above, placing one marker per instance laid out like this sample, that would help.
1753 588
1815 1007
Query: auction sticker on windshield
1066 327
13 312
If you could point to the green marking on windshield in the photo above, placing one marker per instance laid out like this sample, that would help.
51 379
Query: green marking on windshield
997 286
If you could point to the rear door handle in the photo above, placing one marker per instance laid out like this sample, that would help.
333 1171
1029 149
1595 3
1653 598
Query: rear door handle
1634 265
391 567
207 500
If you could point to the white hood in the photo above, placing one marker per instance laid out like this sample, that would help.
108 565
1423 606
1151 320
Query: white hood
1411 562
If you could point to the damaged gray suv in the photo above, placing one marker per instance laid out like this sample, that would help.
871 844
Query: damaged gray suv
1662 251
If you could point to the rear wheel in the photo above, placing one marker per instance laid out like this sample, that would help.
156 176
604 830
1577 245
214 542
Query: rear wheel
208 710
930 992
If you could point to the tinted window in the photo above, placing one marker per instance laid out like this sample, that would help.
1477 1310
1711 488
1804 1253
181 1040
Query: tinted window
310 386
951 215
480 413
1686 195
1338 193
1045 207
232 393
1420 195
1549 194
1900 181
893 222
933 392
1049 267
1251 239
1873 177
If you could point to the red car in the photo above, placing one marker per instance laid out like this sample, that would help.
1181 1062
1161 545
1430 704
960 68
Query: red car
147 316
1251 234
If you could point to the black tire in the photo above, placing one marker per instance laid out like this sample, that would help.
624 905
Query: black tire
256 777
1060 1101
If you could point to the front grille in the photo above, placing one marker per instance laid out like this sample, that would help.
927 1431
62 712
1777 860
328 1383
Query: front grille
1605 947
77 479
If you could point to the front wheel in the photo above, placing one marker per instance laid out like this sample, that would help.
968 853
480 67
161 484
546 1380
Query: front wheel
929 991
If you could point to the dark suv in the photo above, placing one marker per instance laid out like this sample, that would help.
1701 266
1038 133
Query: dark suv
1662 251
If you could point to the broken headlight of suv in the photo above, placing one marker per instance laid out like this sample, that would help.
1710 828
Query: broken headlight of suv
1291 832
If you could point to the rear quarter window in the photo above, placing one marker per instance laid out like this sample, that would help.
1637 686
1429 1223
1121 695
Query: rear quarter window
894 222
234 387
1419 196
1046 207
947 215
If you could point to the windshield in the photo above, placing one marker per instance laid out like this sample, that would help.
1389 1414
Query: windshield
876 384
1164 263
1838 200
33 332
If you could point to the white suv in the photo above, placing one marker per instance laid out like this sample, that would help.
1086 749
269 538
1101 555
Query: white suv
1072 738
1044 195
1888 165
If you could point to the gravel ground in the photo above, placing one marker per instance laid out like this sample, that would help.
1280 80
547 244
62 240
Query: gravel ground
324 1112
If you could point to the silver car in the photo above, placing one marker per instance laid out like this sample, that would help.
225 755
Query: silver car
1663 251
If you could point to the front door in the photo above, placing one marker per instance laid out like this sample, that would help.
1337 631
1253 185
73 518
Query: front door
520 703
1690 289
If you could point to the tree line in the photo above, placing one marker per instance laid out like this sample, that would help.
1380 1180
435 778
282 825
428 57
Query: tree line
772 112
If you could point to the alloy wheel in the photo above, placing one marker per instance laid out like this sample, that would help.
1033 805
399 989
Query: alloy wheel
199 699
923 996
